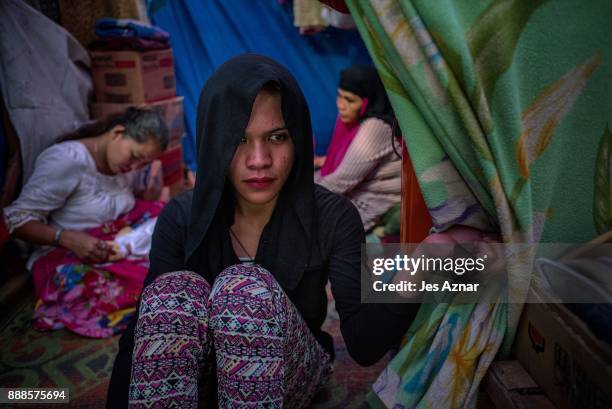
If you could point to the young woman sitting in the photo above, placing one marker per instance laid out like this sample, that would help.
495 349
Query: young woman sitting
362 161
77 200
235 295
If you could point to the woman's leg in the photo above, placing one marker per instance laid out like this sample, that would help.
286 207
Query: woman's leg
171 342
266 355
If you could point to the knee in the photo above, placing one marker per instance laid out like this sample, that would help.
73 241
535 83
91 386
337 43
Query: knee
243 281
175 290
239 287
242 295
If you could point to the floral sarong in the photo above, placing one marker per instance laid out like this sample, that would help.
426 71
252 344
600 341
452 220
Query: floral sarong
94 300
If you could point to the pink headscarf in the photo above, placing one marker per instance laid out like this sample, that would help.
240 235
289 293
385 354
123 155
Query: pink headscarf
341 140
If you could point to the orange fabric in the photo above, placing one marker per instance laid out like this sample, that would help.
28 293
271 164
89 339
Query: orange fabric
338 5
415 218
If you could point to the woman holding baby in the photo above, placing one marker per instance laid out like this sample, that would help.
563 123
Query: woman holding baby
80 196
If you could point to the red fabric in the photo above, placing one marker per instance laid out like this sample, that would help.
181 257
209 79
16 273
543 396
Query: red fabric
415 218
172 165
338 5
340 142
4 234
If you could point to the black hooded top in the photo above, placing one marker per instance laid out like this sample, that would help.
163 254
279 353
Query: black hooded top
313 235
223 114
364 81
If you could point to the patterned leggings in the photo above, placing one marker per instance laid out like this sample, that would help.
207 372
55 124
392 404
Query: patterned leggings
266 357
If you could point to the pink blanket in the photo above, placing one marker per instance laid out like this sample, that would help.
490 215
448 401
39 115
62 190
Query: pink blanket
94 300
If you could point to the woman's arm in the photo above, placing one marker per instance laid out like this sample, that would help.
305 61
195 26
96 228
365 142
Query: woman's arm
36 232
167 254
85 246
369 330
371 144
57 173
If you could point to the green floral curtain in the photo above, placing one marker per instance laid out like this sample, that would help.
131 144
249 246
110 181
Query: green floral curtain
505 107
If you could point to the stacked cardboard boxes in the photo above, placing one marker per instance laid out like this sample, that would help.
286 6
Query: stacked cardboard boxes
561 353
571 365
131 77
145 79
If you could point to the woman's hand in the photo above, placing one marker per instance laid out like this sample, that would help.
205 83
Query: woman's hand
86 247
319 161
443 245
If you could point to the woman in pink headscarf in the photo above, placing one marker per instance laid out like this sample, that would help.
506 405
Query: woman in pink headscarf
362 162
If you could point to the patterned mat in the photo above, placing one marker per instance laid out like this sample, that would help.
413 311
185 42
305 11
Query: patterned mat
29 358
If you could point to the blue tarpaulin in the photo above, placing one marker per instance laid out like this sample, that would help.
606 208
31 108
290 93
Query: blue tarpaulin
204 34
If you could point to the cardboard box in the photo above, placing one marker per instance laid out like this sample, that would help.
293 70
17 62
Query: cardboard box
133 77
571 365
510 387
172 165
171 110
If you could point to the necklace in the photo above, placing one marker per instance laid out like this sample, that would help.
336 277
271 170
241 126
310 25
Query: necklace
251 258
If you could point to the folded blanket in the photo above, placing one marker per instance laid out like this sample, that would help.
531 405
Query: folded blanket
112 27
128 44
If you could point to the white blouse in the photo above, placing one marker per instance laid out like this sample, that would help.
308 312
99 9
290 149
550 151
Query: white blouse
66 190
370 172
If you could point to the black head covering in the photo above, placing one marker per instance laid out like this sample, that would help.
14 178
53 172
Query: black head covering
223 113
364 81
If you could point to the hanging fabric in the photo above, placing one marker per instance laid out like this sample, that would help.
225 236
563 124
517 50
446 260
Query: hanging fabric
44 79
205 34
495 99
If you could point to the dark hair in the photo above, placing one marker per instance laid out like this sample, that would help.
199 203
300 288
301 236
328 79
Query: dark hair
140 124
271 87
